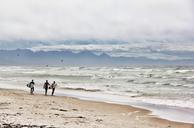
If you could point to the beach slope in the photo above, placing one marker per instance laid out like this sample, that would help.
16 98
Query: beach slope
20 109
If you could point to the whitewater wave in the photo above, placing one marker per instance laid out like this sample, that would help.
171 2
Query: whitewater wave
133 82
81 89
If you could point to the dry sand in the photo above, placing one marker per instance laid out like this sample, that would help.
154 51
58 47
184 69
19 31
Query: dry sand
20 109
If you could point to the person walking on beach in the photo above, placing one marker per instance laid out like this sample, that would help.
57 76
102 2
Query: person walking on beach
46 86
53 86
31 86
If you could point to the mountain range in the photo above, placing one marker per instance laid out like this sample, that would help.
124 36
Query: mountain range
84 58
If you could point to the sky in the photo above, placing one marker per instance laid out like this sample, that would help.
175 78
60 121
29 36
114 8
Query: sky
137 27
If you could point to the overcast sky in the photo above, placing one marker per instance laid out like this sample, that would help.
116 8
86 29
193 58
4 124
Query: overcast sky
96 19
126 20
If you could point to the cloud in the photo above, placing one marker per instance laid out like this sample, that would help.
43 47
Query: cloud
97 19
165 51
136 28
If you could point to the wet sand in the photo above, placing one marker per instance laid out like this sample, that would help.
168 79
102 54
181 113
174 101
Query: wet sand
20 109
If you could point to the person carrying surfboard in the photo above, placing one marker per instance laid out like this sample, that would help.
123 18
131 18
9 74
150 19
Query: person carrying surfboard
46 87
31 86
53 86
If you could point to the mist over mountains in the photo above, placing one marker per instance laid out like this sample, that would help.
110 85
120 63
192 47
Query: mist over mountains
100 33
84 58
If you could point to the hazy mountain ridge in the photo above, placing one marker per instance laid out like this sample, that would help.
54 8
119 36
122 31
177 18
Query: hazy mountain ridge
10 45
84 58
150 49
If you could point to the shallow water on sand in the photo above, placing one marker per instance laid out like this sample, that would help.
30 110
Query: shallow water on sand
162 86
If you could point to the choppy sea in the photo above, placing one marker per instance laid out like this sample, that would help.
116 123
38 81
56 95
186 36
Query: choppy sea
167 91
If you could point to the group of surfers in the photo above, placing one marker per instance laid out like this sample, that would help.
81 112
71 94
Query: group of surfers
46 87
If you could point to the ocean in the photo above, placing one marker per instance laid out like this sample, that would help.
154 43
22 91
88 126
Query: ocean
168 91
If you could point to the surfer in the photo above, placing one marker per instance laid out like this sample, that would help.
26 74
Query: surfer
46 86
31 86
53 86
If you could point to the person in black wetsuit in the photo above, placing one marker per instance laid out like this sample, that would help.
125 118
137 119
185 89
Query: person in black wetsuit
53 86
31 86
46 87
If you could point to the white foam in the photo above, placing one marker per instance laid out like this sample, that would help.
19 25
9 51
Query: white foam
113 81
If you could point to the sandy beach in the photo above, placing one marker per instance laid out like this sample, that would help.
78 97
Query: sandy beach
20 109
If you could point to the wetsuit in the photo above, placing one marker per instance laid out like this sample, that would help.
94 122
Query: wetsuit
53 86
46 86
32 87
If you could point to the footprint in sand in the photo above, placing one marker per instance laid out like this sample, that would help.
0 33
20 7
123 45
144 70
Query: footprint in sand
99 120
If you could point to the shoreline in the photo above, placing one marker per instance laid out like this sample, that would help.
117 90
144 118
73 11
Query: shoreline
88 110
170 113
164 94
166 112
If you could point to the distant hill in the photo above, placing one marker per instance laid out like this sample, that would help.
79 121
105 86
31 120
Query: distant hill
85 58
